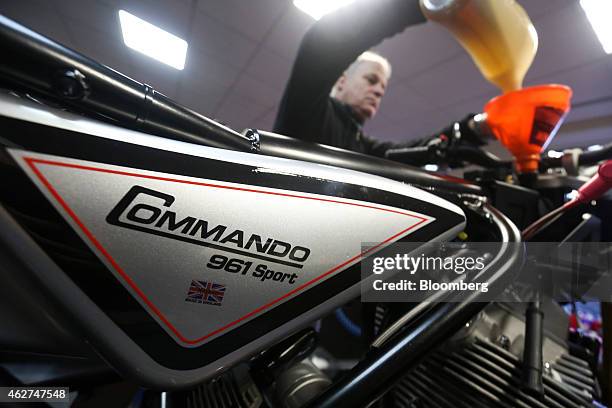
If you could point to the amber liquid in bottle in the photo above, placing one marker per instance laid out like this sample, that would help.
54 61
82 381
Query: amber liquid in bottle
497 34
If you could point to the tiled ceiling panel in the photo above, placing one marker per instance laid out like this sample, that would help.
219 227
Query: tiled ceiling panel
239 112
45 20
566 41
417 49
537 8
204 71
413 102
224 43
590 82
251 18
441 86
98 44
93 14
265 120
203 101
269 68
286 35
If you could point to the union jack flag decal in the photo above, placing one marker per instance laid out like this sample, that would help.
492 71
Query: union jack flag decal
205 292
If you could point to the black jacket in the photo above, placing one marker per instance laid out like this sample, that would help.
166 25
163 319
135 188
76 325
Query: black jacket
307 111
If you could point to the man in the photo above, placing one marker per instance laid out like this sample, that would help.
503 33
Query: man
363 85
326 102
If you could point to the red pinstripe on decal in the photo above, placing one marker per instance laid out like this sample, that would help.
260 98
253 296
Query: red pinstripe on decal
33 162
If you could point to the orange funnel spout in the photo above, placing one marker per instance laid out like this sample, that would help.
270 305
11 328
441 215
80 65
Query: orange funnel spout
525 121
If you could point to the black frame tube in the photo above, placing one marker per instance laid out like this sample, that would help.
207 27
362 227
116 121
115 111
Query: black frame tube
45 68
273 144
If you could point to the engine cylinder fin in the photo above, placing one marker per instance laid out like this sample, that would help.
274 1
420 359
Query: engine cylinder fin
499 360
575 360
455 397
587 381
497 369
457 376
575 386
422 395
479 373
510 386
514 380
475 400
576 399
575 367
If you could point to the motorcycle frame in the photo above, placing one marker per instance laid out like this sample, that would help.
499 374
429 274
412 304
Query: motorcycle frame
83 85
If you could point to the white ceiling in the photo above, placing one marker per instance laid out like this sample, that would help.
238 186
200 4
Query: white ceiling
241 51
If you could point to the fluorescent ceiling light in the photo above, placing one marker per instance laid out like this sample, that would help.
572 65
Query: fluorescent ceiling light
599 13
150 40
318 8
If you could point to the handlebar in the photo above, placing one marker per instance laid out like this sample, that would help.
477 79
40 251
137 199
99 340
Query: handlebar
414 155
454 145
459 144
422 155
587 158
595 156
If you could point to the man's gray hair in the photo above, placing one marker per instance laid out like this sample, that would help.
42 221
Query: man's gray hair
372 57
366 56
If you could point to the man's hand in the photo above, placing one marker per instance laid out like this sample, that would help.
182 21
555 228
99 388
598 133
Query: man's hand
471 130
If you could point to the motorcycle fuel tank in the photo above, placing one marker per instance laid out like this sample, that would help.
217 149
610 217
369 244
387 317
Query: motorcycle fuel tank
176 260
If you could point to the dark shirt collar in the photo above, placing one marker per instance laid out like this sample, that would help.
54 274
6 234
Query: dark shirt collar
350 112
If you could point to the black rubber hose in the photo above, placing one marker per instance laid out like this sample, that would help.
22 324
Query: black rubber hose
532 352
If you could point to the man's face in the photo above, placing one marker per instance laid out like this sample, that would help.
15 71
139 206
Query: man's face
363 88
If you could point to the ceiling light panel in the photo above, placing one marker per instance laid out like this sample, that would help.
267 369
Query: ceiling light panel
599 13
152 41
318 8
